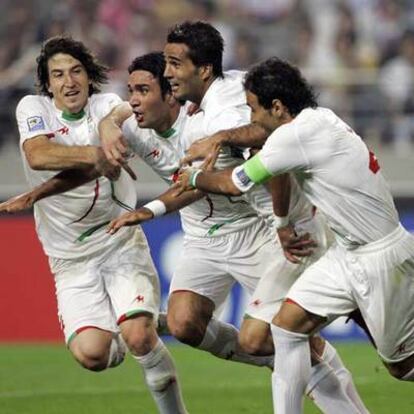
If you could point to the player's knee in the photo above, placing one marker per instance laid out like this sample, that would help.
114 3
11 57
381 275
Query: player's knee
251 343
139 335
92 360
186 329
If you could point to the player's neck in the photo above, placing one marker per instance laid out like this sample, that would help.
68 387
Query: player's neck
165 129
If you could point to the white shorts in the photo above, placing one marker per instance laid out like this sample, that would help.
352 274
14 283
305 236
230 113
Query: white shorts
377 278
104 289
281 273
210 266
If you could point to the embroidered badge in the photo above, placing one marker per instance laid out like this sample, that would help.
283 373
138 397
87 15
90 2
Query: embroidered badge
35 123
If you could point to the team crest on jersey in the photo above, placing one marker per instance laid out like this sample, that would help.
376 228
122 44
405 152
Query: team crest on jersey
243 177
35 123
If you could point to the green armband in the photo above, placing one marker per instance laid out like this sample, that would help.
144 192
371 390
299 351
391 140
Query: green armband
256 171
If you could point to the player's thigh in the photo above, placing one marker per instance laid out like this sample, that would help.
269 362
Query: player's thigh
81 296
131 279
202 269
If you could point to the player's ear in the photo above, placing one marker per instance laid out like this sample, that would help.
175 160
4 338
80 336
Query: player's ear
277 107
206 72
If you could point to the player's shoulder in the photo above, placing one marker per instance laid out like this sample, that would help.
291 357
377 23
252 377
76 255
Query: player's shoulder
99 98
33 102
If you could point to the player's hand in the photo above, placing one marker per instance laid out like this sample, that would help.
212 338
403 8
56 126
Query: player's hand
183 182
107 169
130 219
294 246
18 203
114 145
206 148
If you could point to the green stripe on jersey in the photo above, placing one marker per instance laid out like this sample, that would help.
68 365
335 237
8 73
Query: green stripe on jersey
255 170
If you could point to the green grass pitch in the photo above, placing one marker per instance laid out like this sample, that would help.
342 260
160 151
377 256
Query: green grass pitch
43 379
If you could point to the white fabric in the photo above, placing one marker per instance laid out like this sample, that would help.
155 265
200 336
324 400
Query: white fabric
161 378
56 217
157 207
332 165
210 266
101 289
292 370
377 278
280 273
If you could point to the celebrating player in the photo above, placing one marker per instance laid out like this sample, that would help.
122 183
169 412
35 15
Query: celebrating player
105 285
371 265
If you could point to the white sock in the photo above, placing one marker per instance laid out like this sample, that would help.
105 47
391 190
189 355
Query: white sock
331 356
292 370
409 376
117 351
221 340
161 379
327 391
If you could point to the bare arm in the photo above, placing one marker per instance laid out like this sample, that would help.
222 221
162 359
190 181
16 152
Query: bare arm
251 135
113 142
42 154
218 182
61 182
171 201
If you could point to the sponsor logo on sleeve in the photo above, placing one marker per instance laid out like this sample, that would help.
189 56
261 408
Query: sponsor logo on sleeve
35 123
243 177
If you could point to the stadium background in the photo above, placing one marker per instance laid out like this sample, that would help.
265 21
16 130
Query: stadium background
358 54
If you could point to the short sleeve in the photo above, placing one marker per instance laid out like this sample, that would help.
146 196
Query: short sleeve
105 103
281 153
32 118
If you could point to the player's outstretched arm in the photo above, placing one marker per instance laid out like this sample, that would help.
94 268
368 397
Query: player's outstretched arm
61 182
113 142
42 154
251 135
167 202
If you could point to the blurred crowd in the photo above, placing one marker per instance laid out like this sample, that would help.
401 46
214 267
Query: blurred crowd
358 54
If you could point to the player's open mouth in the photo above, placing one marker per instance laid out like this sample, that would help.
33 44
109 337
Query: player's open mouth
139 116
71 93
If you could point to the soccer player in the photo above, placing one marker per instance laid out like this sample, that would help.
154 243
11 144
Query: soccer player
224 239
371 265
107 287
155 134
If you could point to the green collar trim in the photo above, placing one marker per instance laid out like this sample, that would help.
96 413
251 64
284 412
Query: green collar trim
167 134
73 117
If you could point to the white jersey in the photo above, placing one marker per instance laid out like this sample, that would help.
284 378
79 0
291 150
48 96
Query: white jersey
72 225
336 171
223 107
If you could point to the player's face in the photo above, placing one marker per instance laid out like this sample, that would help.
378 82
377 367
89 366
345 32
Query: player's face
68 82
184 77
145 98
259 114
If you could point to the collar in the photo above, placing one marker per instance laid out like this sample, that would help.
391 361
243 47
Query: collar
73 117
209 93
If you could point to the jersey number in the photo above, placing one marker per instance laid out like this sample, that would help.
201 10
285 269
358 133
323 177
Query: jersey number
373 163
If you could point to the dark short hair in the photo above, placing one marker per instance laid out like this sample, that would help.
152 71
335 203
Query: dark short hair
97 72
155 64
278 79
204 42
